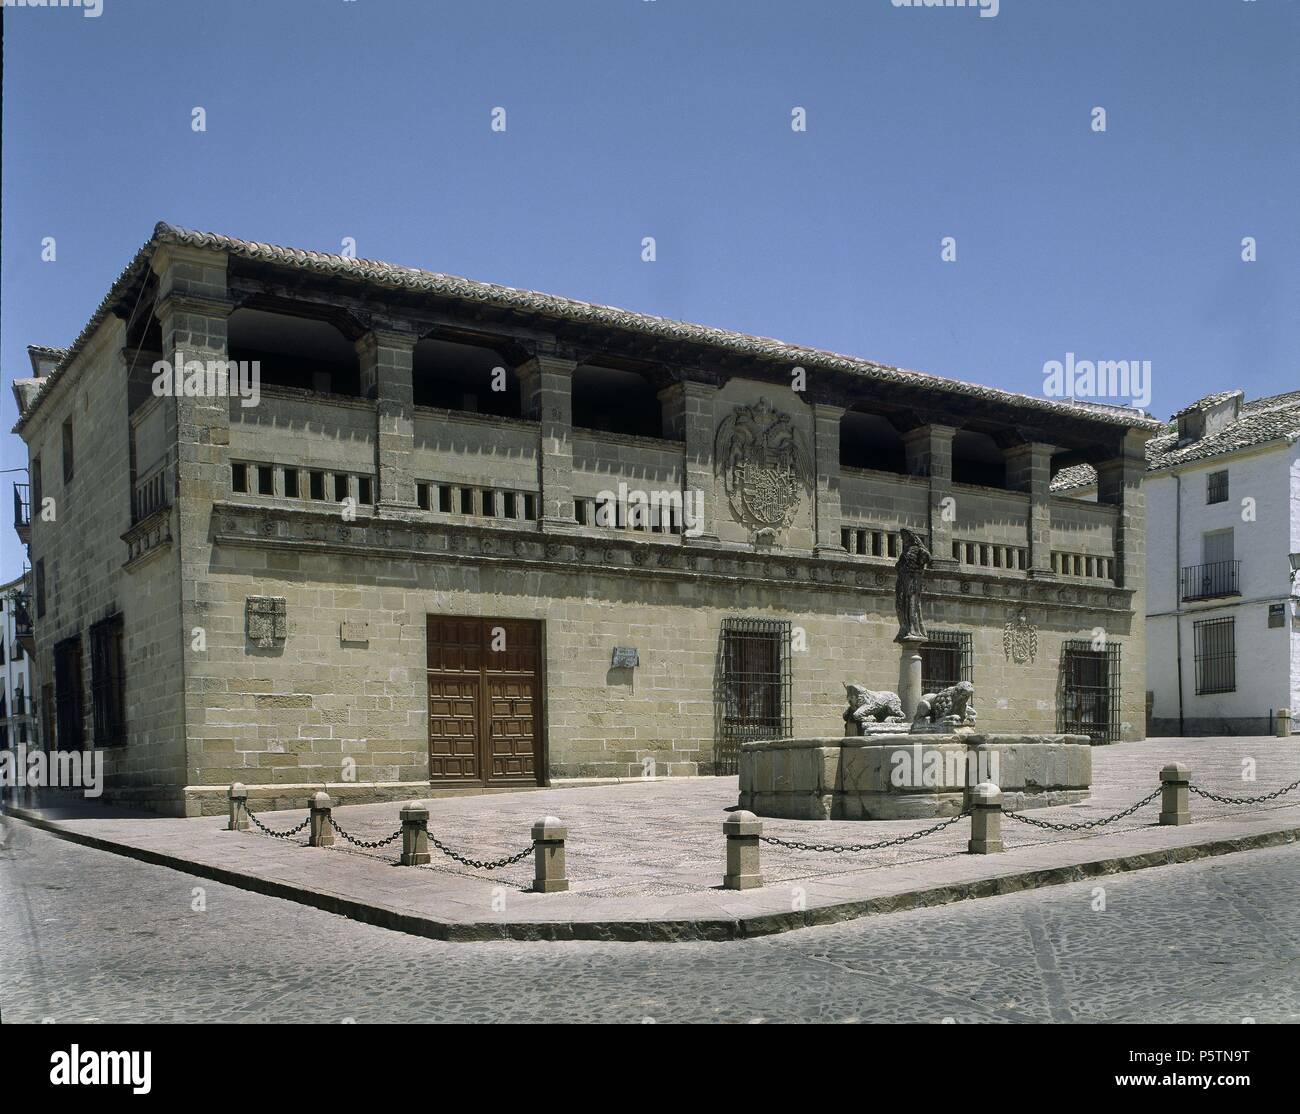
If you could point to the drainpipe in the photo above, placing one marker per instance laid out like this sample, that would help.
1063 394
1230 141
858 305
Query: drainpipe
1178 592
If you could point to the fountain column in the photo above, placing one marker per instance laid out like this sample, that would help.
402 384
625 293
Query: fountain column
909 673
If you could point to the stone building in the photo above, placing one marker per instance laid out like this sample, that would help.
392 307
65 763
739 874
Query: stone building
424 555
17 709
1223 528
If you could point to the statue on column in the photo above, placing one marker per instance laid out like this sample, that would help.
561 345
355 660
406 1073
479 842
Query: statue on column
912 563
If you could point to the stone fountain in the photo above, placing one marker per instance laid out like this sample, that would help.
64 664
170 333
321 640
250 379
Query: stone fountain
892 766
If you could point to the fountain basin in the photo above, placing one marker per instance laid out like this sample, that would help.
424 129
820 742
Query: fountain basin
909 776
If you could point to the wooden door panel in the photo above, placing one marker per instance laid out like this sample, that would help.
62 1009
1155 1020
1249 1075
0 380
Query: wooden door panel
453 727
484 699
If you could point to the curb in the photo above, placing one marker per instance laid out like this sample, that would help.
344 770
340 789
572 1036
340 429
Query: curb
672 931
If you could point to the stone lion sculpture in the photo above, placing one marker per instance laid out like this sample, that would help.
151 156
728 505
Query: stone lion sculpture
952 705
868 706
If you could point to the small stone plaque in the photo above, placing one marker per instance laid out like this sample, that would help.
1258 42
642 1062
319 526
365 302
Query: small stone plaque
355 633
266 620
625 657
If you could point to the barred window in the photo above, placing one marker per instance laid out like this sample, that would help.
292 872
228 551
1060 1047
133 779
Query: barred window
108 681
1089 690
1216 656
68 694
945 660
1216 487
754 697
40 588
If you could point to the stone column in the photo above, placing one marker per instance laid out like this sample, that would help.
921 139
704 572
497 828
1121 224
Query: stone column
386 360
546 396
826 459
928 452
688 416
1119 483
909 674
1029 468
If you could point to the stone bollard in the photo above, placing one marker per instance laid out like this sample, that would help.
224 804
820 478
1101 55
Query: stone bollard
742 830
1174 797
415 835
238 808
985 819
322 831
1284 723
548 856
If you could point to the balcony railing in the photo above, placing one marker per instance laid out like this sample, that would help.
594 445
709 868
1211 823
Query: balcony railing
152 491
1208 582
22 510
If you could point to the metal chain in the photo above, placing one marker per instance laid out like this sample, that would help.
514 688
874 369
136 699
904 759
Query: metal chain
1242 800
364 842
278 835
837 849
476 863
1082 825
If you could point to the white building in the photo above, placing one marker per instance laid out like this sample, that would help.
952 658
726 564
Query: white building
17 683
1223 541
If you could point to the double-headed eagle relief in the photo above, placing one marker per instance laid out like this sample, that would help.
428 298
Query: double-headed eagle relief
764 465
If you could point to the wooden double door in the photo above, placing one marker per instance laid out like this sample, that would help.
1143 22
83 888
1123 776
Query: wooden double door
485 700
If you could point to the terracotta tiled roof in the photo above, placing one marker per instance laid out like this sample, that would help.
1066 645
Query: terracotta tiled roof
1208 401
549 305
46 350
1275 418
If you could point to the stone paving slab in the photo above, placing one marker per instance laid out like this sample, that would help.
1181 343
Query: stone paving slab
646 859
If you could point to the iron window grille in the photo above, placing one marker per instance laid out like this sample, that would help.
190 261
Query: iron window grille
1089 699
754 686
1216 655
1216 487
108 681
69 697
945 660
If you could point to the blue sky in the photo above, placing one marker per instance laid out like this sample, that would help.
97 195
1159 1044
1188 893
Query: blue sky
671 119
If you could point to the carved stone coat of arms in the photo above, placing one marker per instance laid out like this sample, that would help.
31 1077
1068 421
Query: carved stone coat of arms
765 468
1020 639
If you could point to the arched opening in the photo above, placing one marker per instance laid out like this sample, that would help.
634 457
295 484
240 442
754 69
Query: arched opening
976 459
295 352
871 441
464 377
616 402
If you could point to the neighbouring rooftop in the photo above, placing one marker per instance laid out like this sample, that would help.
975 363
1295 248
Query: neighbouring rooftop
1216 425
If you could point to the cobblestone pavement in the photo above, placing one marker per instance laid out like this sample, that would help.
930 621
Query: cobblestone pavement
663 837
120 940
